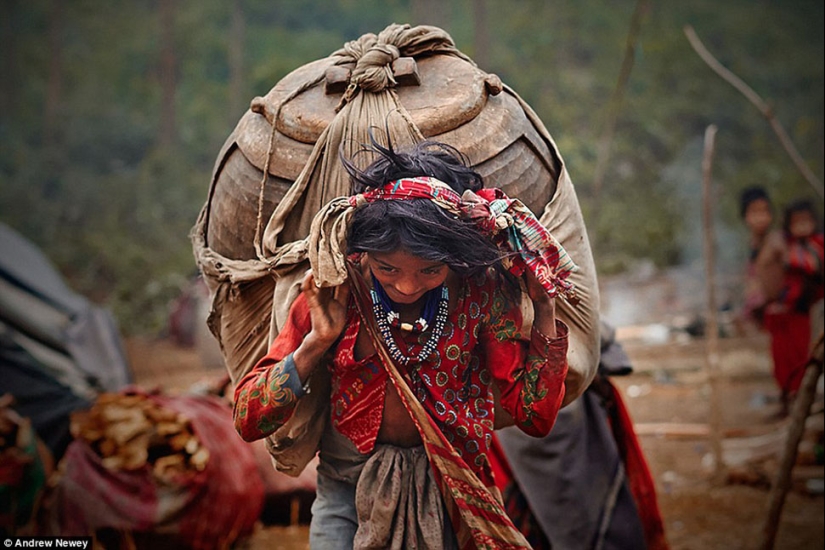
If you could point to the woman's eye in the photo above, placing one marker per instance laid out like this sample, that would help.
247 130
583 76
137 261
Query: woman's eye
387 269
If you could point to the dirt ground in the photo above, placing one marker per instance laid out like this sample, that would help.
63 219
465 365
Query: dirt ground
669 400
697 512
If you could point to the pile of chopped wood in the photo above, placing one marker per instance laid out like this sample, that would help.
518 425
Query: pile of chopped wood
130 432
15 438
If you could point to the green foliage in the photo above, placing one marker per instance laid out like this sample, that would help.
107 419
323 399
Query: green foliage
113 210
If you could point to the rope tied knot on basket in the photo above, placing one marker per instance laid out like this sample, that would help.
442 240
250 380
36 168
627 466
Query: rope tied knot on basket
373 68
373 56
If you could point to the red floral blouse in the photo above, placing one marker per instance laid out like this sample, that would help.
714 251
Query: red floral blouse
482 344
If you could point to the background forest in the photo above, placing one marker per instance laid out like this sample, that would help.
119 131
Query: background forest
112 113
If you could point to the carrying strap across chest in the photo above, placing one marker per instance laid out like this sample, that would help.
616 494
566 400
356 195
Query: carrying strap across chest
476 511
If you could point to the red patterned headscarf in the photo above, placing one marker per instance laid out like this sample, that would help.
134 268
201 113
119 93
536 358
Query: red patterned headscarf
510 224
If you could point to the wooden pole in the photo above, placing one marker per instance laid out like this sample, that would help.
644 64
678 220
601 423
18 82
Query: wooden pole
801 409
168 73
764 108
614 105
235 58
294 510
481 34
712 332
54 88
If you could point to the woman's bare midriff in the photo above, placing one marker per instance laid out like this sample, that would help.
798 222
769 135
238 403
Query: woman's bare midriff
397 427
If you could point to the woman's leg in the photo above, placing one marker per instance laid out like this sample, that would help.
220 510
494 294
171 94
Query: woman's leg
334 519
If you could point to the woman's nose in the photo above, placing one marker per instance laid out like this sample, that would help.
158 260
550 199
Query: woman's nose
407 285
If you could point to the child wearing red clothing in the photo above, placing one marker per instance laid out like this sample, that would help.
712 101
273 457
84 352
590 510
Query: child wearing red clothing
788 318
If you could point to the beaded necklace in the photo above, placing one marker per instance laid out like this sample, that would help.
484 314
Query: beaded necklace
384 316
423 322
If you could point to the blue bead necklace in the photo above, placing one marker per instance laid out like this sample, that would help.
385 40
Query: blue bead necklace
428 312
436 305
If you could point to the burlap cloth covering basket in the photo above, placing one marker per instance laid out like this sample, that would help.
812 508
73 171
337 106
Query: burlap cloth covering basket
249 240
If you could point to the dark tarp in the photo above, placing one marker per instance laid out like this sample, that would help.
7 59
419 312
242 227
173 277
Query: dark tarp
57 349
578 468
38 395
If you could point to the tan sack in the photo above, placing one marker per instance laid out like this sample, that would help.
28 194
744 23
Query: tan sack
249 240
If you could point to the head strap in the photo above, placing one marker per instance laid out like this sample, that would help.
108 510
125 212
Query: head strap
508 222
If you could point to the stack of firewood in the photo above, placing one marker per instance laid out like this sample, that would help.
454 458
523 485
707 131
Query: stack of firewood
130 432
15 439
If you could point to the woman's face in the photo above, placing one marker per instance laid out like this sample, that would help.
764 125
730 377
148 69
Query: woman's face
406 278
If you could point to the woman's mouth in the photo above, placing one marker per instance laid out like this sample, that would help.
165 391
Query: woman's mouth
402 298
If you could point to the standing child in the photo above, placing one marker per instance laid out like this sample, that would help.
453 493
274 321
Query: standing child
765 269
788 318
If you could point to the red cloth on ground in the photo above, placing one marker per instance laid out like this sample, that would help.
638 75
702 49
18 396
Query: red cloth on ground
207 509
790 347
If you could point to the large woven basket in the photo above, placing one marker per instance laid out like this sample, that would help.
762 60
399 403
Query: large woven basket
414 83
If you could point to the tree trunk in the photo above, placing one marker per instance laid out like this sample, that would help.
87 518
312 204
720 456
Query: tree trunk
168 74
431 12
8 84
615 103
237 103
481 34
54 86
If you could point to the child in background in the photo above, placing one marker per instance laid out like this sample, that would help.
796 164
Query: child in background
788 317
765 269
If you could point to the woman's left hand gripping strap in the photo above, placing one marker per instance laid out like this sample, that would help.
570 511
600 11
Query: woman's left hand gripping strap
521 232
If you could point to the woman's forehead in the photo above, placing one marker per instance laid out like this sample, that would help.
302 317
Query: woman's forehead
403 258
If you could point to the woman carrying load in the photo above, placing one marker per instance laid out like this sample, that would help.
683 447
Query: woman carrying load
429 349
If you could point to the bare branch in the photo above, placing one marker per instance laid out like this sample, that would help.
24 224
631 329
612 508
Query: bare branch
614 105
801 410
760 104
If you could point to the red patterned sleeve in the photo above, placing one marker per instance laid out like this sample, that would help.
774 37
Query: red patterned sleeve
529 373
266 397
806 255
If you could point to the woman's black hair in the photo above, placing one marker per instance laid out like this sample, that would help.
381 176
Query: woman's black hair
751 195
419 226
427 158
801 205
